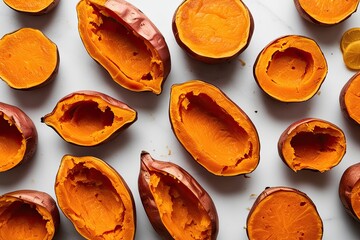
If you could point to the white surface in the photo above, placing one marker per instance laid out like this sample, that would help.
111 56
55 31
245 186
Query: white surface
233 196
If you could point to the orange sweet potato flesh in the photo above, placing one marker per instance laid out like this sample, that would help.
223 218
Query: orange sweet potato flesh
29 59
312 143
349 98
213 129
213 31
95 198
28 214
284 213
89 118
32 7
326 12
291 68
125 42
18 137
177 206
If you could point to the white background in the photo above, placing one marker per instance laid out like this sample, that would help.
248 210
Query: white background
152 132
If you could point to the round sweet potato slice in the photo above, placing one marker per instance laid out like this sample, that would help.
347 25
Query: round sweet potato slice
29 59
350 99
326 12
286 213
213 31
33 7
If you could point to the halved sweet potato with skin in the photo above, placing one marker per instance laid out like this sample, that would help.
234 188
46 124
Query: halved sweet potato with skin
28 214
313 144
125 42
286 213
290 68
326 12
18 137
349 99
213 31
177 206
349 190
95 198
89 118
213 129
32 7
29 59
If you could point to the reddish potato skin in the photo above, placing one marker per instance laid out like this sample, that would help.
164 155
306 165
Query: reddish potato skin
343 91
270 190
310 19
107 99
148 164
42 12
26 126
347 182
210 60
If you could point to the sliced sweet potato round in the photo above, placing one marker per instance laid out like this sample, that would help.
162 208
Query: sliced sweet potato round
286 213
125 42
213 31
313 144
32 7
350 99
291 68
326 12
216 132
29 59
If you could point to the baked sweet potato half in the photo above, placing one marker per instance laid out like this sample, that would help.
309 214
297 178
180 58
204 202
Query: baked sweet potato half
28 214
89 118
216 132
95 198
18 137
177 206
124 41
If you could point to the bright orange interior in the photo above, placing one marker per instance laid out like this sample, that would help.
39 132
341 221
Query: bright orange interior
213 28
315 147
128 58
12 146
92 203
21 221
29 6
285 215
328 11
29 58
179 210
352 99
